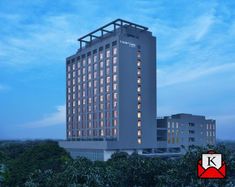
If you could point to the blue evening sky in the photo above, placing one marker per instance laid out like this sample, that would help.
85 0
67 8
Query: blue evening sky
195 58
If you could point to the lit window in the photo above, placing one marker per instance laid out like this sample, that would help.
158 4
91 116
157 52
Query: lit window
101 55
107 71
114 77
115 122
101 98
95 74
139 89
139 98
101 89
108 53
68 68
114 132
95 67
114 69
108 79
115 104
115 87
107 63
101 64
139 123
102 81
101 72
139 114
114 60
115 96
139 140
139 132
139 106
108 88
114 50
89 60
177 125
73 66
89 68
95 58
115 114
89 76
138 72
138 63
139 81
102 132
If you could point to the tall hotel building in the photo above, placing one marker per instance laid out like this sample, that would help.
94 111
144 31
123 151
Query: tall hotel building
111 92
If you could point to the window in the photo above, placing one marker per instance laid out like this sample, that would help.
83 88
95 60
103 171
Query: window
138 54
108 79
114 77
139 106
139 140
101 55
95 67
108 88
115 122
101 81
108 53
101 72
114 132
138 63
139 98
138 72
115 87
114 60
102 132
139 81
101 98
107 63
89 60
68 68
107 71
89 68
139 89
101 89
115 50
115 113
115 104
139 132
139 115
115 96
95 58
114 69
101 64
139 123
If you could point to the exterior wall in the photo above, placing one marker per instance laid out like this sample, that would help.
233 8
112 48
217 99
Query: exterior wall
184 130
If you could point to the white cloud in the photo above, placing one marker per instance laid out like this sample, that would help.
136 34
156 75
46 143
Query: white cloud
171 76
56 118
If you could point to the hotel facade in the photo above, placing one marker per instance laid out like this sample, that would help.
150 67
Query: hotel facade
111 98
111 92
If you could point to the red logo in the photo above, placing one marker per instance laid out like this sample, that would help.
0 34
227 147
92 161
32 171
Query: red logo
211 166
